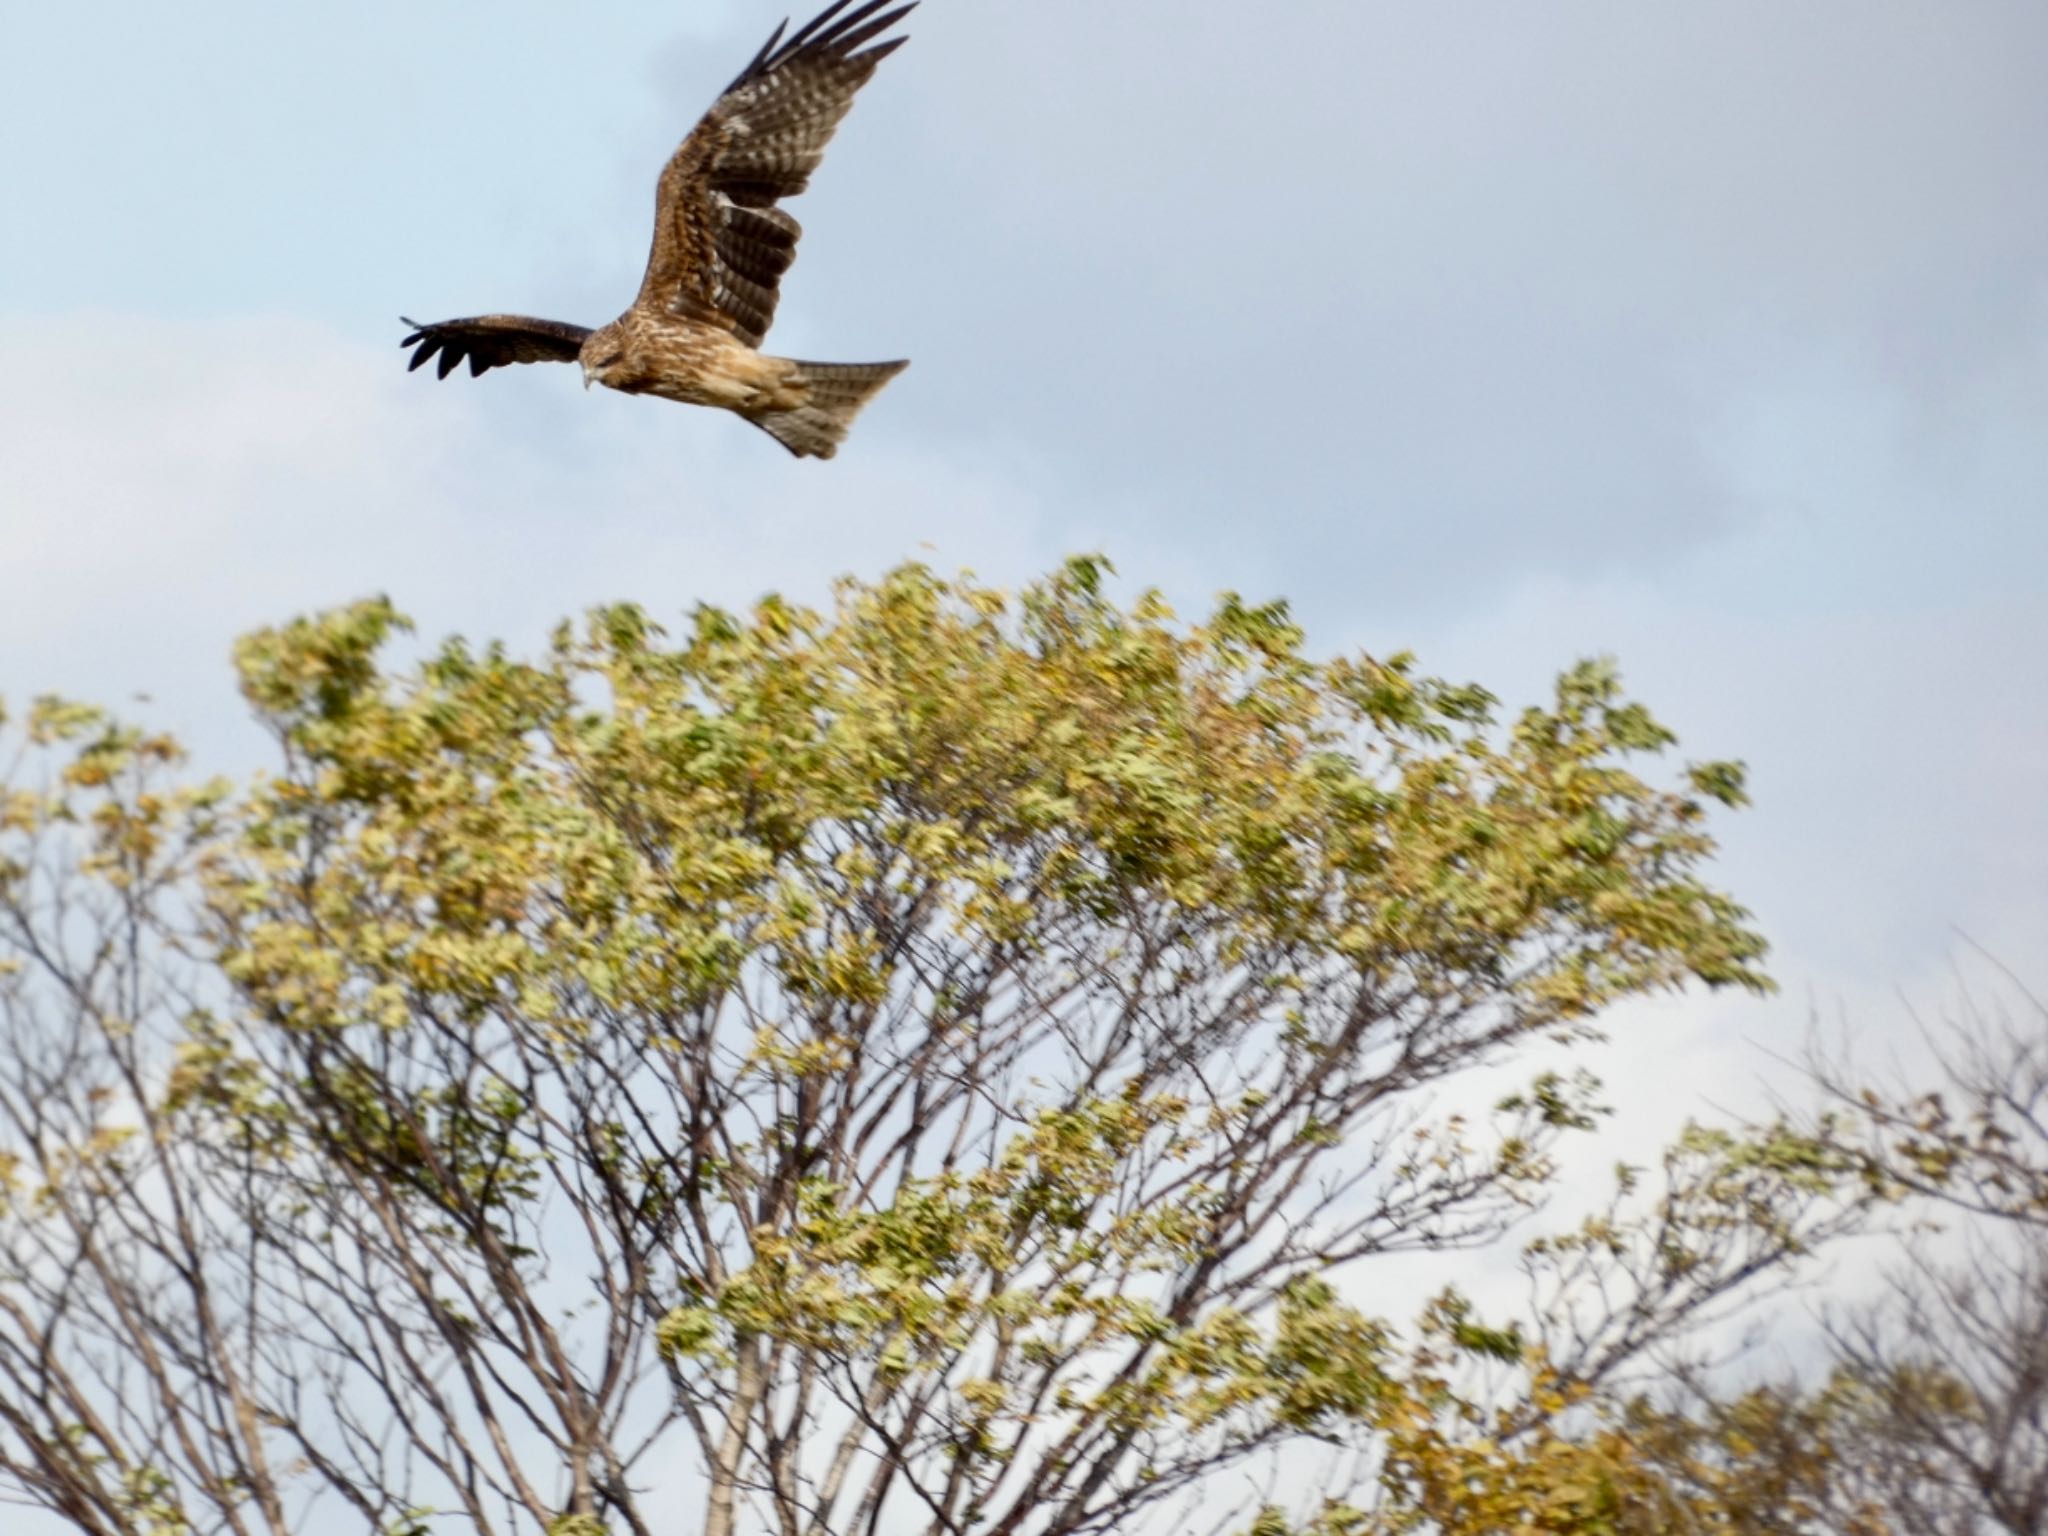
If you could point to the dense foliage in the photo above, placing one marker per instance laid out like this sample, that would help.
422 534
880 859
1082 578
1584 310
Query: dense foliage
948 1064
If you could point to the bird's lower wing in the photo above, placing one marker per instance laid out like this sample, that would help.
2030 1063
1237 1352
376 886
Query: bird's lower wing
491 341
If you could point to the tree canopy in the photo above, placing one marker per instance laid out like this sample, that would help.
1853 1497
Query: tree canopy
945 1063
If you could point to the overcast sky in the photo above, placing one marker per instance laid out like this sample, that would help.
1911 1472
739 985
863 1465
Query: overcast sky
1713 337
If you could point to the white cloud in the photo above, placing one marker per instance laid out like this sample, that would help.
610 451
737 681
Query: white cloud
1717 340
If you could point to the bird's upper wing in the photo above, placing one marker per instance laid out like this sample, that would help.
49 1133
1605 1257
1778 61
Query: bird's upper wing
720 243
490 341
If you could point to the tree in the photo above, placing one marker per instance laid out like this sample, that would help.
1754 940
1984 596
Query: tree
1946 1375
943 1064
1948 1429
1976 1141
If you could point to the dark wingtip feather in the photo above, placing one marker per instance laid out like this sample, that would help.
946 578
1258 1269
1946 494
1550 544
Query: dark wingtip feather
810 29
833 30
760 58
450 355
846 44
881 51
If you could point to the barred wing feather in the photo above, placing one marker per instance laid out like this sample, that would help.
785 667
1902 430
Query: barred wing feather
721 244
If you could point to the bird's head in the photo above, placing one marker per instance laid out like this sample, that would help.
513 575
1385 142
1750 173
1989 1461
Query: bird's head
603 351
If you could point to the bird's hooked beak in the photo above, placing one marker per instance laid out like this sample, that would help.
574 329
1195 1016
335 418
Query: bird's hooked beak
586 375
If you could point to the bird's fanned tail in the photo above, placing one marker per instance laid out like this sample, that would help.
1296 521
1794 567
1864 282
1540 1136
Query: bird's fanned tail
815 429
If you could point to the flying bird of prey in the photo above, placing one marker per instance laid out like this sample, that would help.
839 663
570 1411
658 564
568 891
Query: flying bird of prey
721 245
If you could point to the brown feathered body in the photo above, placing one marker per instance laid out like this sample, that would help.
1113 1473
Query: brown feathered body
806 407
721 245
686 360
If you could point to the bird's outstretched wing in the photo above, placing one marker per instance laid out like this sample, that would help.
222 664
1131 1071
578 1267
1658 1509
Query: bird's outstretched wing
491 341
721 244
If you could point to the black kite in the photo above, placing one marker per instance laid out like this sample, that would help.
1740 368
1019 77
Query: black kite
721 245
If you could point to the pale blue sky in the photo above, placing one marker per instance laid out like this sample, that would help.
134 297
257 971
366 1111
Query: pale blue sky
1713 337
